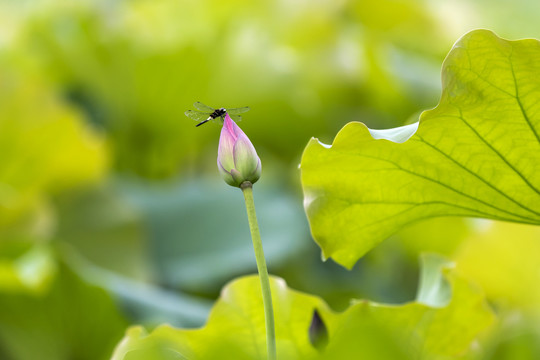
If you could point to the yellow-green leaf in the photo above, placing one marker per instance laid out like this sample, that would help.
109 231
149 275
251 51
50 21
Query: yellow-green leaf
446 317
476 154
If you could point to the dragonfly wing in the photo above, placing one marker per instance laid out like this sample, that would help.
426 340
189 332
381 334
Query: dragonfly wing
200 106
236 111
236 118
196 115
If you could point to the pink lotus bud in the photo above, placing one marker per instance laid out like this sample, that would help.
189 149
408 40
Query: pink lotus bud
237 159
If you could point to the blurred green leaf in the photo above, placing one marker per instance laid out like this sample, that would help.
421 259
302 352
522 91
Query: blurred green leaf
504 259
66 319
106 240
25 267
135 67
44 147
475 154
102 226
235 328
426 236
145 302
516 337
198 231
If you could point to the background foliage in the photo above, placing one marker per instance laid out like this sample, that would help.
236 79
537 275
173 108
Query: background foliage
111 210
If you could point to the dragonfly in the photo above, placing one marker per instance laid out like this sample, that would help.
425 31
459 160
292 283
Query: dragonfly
205 113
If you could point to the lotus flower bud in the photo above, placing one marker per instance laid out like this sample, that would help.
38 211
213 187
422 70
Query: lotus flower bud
237 159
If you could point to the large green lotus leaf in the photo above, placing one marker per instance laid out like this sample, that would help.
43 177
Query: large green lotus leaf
445 318
476 154
447 315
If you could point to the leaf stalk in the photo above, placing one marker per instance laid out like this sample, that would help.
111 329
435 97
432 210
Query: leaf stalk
247 190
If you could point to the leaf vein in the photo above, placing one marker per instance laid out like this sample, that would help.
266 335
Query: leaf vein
414 205
517 97
505 160
477 176
448 187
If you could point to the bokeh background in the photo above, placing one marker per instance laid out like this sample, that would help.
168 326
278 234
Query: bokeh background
112 211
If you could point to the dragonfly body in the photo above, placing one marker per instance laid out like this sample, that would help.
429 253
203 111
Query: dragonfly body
217 113
205 113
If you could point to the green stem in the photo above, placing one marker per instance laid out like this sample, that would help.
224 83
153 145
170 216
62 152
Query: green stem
247 189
